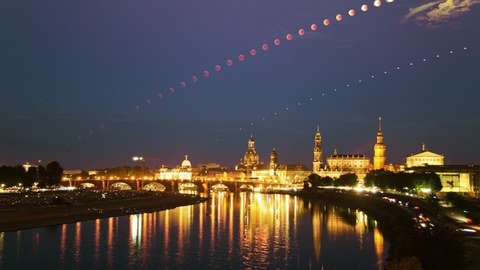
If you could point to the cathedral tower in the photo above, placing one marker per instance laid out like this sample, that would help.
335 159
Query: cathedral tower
379 149
317 151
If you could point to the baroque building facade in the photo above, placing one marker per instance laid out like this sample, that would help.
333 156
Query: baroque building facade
271 173
349 163
425 158
183 172
339 164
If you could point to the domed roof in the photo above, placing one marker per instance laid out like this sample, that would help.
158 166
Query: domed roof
186 163
250 158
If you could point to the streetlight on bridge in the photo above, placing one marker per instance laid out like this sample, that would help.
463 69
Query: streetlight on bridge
142 160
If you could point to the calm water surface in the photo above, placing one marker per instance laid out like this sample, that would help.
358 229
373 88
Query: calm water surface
231 231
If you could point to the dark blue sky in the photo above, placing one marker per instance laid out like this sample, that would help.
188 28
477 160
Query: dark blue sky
80 80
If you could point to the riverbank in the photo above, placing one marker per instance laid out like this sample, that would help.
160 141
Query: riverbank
435 246
20 211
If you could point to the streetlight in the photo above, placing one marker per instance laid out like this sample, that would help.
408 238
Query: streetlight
137 158
141 159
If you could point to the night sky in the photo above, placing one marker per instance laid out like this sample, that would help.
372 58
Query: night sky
87 82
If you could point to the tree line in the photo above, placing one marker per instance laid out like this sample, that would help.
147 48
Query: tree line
345 180
402 181
50 175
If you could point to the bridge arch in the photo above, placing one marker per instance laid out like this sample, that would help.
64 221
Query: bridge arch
154 187
187 186
219 187
88 185
246 187
120 186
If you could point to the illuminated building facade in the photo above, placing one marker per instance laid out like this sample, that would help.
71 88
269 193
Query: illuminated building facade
183 172
272 172
250 159
455 178
351 163
338 165
424 158
379 149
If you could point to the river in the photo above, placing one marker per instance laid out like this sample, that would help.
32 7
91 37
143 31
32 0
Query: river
231 231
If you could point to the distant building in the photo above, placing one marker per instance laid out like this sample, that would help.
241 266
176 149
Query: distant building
317 151
424 158
183 172
338 165
455 178
250 159
208 171
350 163
208 166
379 149
273 172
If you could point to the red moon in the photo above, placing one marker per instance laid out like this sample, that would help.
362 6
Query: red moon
339 17
289 37
276 42
313 27
183 84
301 32
351 12
241 57
206 73
253 52
326 22
364 8
229 62
194 79
218 68
265 47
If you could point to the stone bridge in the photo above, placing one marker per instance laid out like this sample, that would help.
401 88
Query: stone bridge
168 185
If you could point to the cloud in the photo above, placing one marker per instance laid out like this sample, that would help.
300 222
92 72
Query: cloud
434 14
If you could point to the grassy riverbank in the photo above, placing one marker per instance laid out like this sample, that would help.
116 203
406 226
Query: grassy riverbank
29 210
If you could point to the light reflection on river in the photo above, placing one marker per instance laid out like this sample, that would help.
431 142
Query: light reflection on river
246 230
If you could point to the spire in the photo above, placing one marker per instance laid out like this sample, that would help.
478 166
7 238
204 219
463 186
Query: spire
424 148
318 128
379 149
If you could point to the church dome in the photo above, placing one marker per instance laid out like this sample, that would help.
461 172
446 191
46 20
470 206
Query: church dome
251 157
186 163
